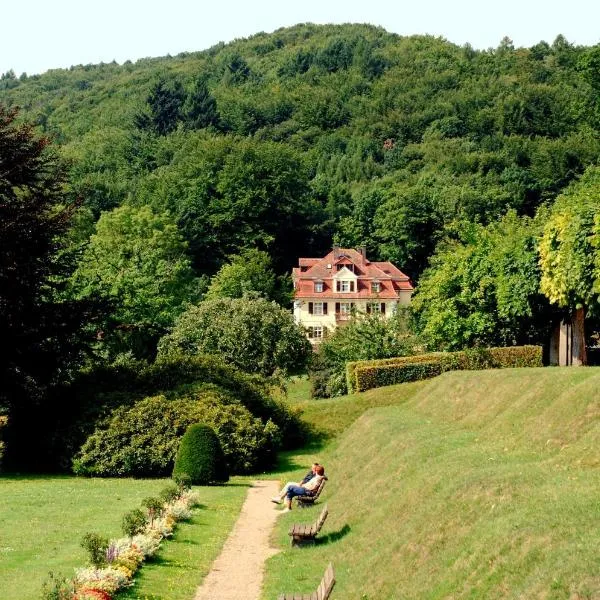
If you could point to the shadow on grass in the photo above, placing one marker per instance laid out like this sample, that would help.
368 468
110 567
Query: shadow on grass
334 536
233 484
287 460
186 542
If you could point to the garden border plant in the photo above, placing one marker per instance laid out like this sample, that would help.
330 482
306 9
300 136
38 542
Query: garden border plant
115 562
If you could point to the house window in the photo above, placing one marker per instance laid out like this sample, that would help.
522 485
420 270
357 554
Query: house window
345 285
316 332
376 308
375 287
349 266
318 286
317 308
345 308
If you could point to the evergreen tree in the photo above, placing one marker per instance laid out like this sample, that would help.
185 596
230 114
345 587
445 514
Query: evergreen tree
201 107
37 330
165 103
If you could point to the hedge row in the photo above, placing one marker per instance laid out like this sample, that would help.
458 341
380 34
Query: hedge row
368 374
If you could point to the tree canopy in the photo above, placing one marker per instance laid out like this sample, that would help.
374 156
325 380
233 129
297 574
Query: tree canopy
136 260
39 332
255 335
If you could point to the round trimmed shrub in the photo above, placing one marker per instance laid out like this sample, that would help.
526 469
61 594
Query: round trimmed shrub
200 456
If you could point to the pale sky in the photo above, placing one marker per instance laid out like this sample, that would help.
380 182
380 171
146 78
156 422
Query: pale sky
37 35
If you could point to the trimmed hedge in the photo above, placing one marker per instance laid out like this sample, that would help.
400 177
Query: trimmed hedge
351 367
368 374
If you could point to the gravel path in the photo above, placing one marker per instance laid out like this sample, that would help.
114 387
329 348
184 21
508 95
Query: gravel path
237 573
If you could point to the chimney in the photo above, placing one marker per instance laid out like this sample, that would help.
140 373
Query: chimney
336 252
362 250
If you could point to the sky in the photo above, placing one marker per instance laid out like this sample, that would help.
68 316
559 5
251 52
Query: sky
38 35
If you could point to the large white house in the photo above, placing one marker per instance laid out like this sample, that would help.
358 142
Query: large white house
328 290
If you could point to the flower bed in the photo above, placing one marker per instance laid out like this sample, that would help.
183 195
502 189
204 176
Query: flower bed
114 567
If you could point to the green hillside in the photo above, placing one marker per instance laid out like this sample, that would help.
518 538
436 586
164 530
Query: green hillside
482 485
366 136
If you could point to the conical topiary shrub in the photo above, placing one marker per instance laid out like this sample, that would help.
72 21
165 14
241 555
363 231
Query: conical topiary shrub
200 456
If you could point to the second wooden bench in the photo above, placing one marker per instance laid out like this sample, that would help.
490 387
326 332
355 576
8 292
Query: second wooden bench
307 533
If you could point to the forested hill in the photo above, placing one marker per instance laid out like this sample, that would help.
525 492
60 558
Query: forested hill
290 140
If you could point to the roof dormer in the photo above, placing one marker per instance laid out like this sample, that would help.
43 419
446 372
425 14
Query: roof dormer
345 280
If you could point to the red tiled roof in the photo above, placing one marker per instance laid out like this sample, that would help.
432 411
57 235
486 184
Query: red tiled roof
391 278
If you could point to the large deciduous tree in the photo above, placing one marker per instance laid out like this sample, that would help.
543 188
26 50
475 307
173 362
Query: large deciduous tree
256 336
249 274
137 261
484 288
37 331
570 255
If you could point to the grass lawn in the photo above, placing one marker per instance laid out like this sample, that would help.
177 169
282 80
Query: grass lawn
42 521
329 418
480 485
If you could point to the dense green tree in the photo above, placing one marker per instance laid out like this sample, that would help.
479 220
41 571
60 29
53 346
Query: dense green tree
165 105
570 255
137 261
38 331
229 195
483 289
201 107
257 336
249 274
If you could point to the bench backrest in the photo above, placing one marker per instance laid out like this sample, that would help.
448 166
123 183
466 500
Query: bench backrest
323 590
321 519
326 584
320 488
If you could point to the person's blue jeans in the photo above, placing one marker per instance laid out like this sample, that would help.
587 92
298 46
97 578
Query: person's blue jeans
295 490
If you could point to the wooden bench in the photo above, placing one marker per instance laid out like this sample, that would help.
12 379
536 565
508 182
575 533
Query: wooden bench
322 592
307 533
309 499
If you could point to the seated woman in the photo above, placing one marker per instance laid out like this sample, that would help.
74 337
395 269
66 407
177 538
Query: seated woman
290 490
277 499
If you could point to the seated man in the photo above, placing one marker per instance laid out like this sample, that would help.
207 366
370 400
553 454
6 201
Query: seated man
277 499
306 489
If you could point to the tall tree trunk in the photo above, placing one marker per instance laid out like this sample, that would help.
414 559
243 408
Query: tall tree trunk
578 352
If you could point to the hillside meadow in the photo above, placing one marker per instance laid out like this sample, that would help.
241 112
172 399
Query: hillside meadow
481 485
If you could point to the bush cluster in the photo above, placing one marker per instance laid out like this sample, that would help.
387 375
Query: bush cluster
200 456
365 375
142 440
86 408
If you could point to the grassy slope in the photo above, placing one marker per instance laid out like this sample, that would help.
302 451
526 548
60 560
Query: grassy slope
42 521
329 418
482 485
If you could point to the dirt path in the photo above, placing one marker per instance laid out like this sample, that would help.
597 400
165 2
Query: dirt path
237 573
